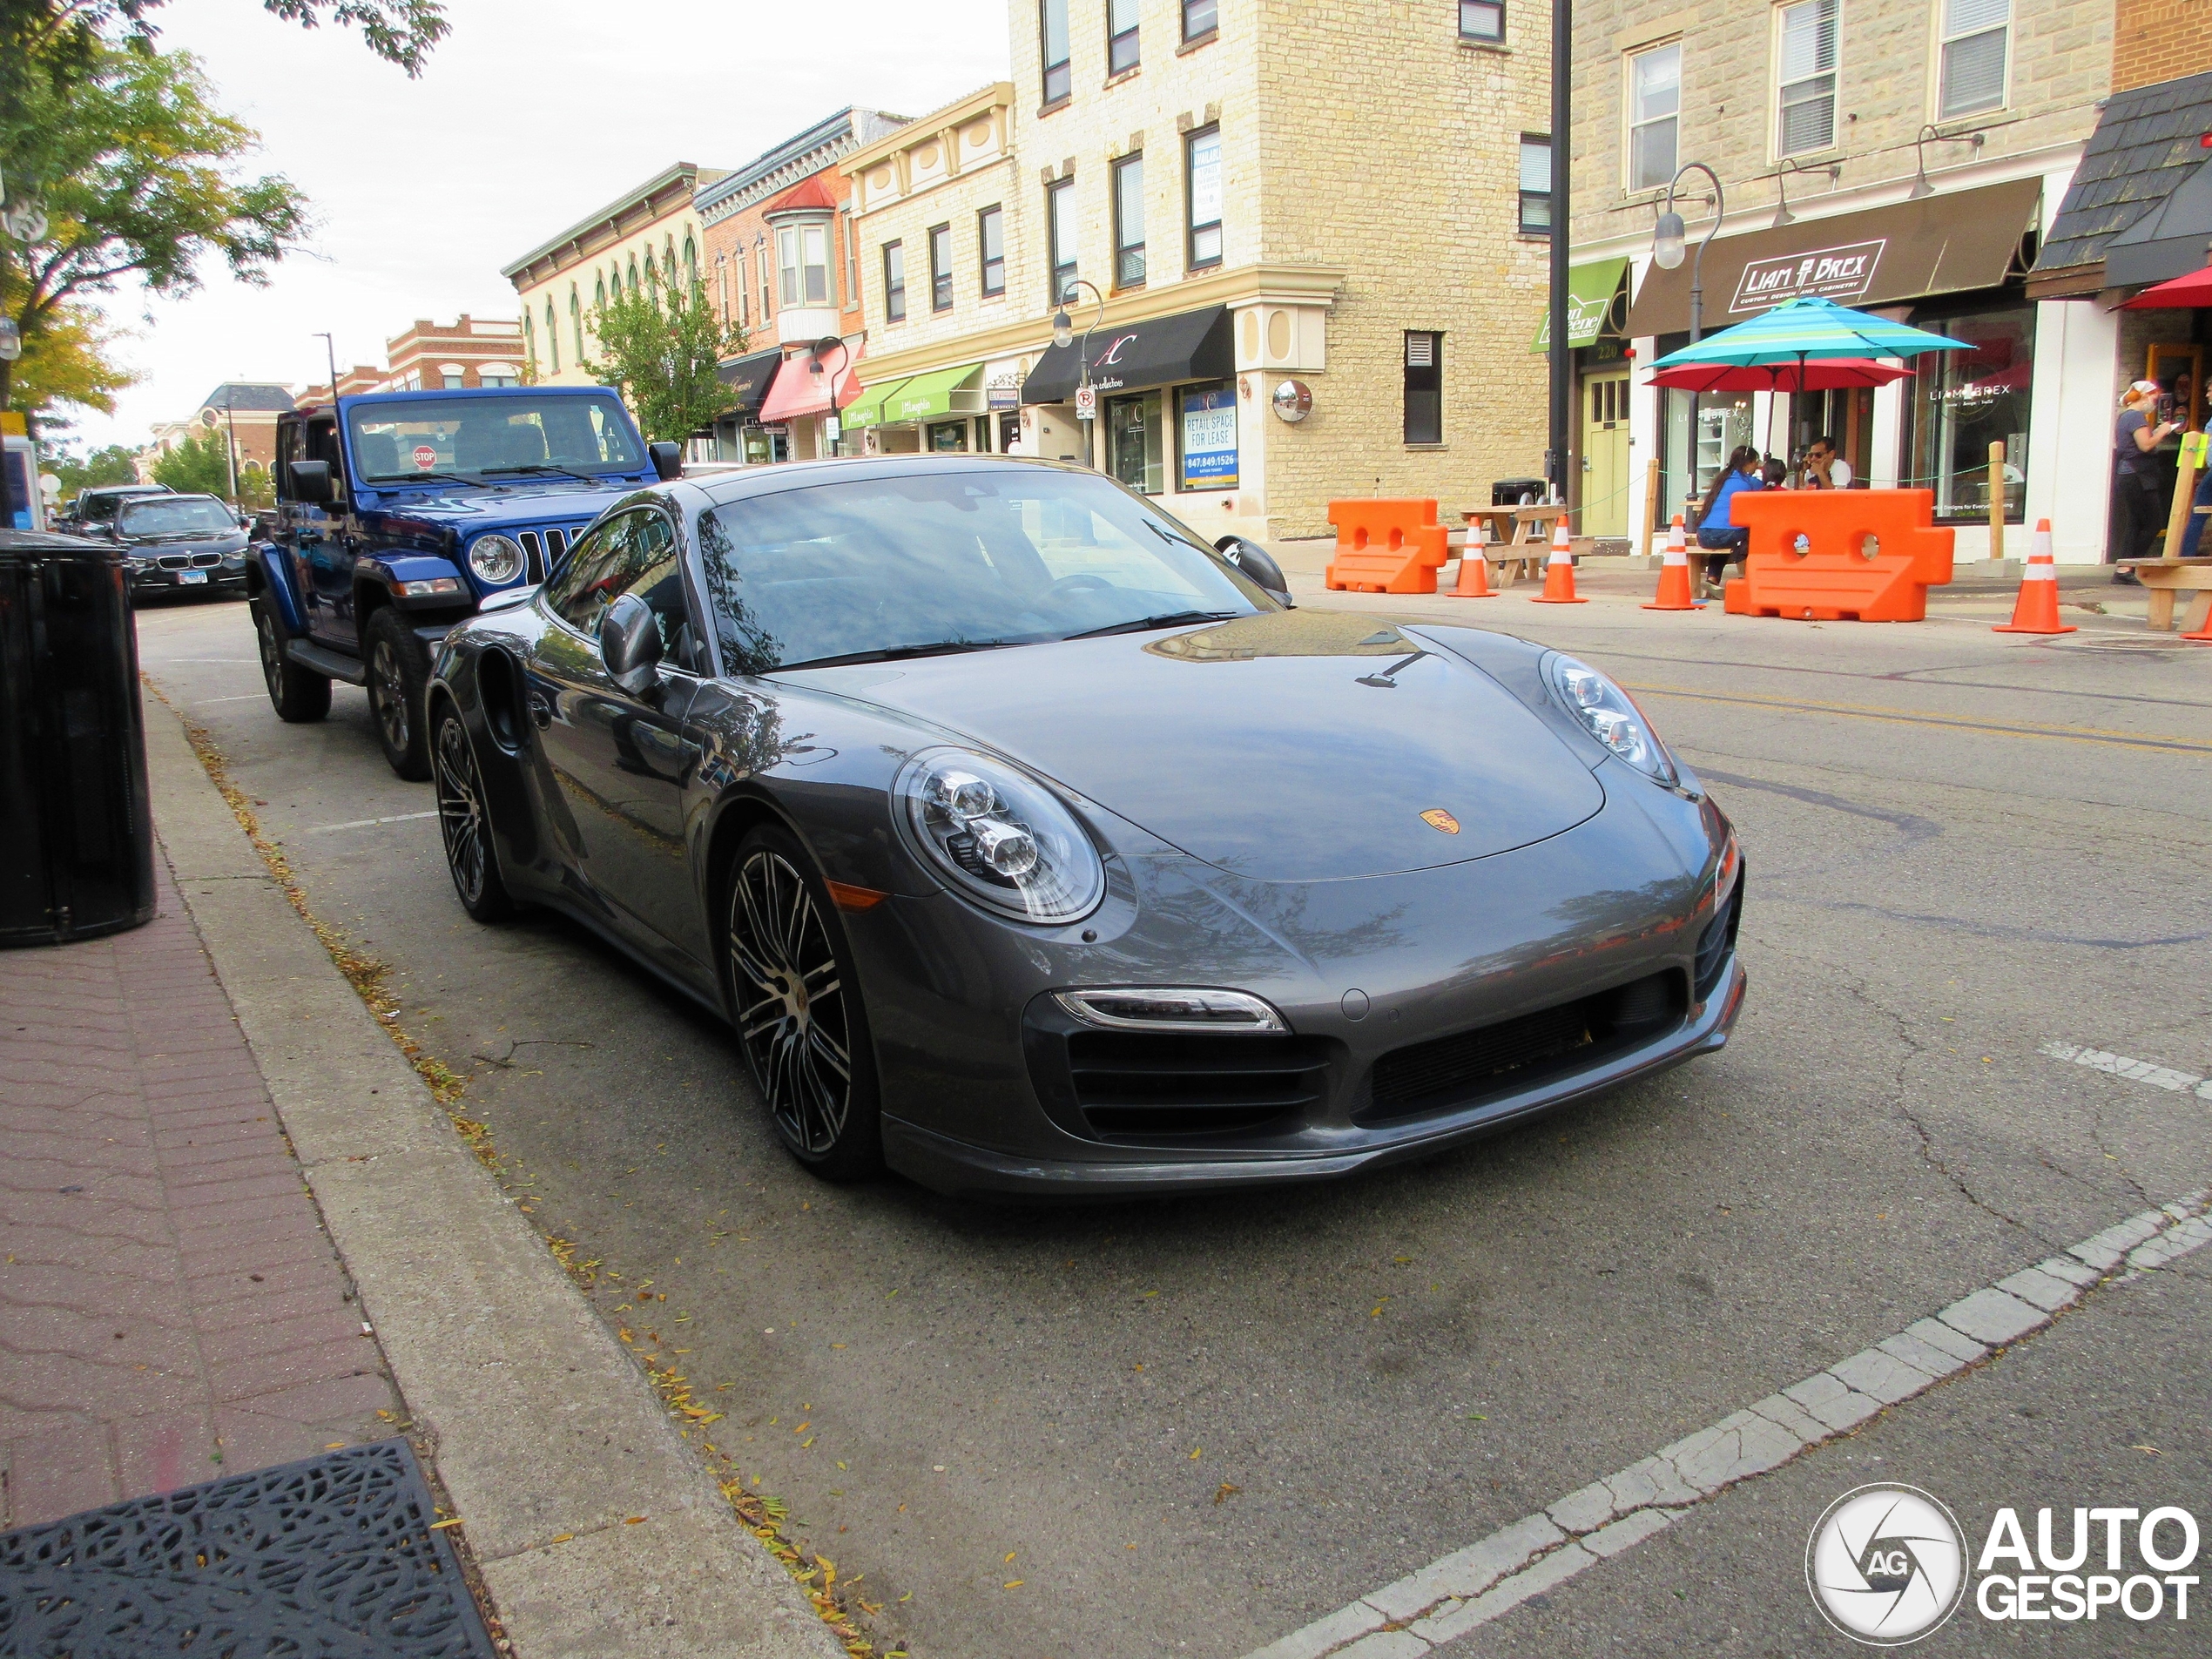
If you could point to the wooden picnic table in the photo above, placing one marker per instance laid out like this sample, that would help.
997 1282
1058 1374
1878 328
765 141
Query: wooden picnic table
2167 579
1520 540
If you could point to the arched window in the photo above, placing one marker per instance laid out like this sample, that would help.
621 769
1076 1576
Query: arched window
575 321
652 278
690 263
529 343
633 273
599 295
552 336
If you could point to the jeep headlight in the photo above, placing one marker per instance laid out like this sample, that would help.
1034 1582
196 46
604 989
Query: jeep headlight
1608 714
495 559
1003 839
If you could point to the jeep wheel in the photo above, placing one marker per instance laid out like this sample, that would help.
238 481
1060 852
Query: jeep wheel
398 670
298 695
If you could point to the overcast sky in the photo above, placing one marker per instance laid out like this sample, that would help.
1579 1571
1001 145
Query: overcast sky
530 114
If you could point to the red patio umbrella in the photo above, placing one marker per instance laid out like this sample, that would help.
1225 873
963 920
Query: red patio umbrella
1825 375
2194 289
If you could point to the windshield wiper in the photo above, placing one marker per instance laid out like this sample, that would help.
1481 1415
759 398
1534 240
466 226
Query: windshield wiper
539 466
423 477
901 653
1173 619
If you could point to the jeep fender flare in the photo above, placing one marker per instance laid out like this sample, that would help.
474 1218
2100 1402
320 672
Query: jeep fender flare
267 578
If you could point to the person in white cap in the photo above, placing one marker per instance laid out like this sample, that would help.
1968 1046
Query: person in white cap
2138 512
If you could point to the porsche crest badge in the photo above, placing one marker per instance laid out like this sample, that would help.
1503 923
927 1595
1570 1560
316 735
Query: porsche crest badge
1437 818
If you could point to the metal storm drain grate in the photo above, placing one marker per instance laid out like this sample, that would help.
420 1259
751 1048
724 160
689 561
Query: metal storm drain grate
329 1559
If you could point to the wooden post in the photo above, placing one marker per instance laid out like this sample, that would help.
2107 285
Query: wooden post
2177 521
1652 507
1996 501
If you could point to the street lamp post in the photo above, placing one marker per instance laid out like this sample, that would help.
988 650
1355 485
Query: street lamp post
1063 330
832 428
1667 243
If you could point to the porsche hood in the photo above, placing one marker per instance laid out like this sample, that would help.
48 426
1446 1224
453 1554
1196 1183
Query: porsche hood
1299 745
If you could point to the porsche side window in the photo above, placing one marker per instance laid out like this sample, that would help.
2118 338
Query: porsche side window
588 582
634 553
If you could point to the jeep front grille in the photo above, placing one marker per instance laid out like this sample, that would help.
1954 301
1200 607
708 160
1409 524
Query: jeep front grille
541 549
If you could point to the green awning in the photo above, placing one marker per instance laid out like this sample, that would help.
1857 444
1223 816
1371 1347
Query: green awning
868 408
1591 292
927 397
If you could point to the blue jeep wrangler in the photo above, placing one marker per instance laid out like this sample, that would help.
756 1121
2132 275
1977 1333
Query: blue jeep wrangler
400 513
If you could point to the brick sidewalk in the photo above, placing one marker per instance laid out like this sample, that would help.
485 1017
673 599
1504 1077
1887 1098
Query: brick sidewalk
169 1306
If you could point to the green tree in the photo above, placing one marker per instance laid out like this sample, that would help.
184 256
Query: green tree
135 172
199 466
662 355
113 465
68 362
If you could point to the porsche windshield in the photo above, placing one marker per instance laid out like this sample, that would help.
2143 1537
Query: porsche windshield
916 563
478 437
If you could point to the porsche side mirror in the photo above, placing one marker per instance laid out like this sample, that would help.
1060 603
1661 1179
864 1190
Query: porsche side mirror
667 460
311 483
1258 563
629 644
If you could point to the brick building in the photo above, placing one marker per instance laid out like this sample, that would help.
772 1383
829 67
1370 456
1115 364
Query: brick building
243 413
468 352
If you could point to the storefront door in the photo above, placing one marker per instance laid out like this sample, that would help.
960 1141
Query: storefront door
1605 454
1136 452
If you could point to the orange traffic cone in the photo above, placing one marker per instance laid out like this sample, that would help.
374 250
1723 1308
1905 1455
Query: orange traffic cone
2036 611
1674 574
1474 569
1559 571
2202 636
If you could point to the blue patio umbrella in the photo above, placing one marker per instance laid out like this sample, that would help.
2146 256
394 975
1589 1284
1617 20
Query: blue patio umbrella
1810 329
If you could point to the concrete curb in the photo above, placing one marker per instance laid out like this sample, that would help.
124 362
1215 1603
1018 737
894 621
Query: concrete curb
542 1428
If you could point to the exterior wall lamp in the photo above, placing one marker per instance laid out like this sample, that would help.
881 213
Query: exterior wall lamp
1668 244
1782 214
1928 135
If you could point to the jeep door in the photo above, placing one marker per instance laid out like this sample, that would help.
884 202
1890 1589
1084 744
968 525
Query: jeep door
622 763
318 543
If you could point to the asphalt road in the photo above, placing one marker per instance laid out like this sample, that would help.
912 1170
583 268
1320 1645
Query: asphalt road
1192 1426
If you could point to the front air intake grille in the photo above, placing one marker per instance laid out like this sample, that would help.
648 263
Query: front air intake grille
1717 943
1170 1087
1458 1070
543 549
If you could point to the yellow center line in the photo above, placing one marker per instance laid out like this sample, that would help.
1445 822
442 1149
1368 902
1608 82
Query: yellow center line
1921 717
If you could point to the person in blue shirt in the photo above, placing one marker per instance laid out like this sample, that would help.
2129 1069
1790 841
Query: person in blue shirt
1716 531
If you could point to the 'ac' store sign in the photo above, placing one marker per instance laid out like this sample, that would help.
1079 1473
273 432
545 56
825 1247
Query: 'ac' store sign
1830 273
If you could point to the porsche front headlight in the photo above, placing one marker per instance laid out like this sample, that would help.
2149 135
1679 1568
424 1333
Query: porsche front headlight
1002 838
495 559
1608 714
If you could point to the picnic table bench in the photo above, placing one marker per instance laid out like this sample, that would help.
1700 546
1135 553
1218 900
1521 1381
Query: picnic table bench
2167 579
1521 539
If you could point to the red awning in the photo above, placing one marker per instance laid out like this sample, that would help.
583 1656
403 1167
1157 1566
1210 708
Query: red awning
1829 375
2194 289
796 394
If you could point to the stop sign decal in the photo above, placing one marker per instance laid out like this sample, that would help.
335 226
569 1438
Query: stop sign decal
425 456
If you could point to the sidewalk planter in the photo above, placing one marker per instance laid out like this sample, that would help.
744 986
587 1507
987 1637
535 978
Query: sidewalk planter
76 829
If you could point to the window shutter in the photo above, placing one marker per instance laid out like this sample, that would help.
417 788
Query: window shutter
1420 351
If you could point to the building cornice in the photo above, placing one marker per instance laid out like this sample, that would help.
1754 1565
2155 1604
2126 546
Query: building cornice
609 218
802 165
922 128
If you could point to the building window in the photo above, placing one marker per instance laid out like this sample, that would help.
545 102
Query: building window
1424 388
940 268
1135 442
691 264
1121 37
1059 80
576 320
1963 402
552 337
1200 18
1536 184
760 257
1482 20
1977 36
599 293
652 278
990 226
744 293
1654 113
529 344
1060 220
1201 190
895 282
1808 76
802 265
1129 222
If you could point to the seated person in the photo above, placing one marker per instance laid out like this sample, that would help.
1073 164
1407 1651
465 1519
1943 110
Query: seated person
1716 531
1823 468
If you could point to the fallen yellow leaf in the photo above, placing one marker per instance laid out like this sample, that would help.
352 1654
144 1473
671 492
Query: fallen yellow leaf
440 1526
1009 1558
1016 1583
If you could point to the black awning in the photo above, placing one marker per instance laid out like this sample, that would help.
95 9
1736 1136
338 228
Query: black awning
1189 346
749 379
2170 240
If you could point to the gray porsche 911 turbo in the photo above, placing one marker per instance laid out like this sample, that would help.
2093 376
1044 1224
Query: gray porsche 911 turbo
1030 846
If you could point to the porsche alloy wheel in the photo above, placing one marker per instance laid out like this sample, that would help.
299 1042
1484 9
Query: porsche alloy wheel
799 1015
465 825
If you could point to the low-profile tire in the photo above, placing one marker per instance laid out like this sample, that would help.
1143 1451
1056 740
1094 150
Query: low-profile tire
800 1016
398 670
464 821
298 695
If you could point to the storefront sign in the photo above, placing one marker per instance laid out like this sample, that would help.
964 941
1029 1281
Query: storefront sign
1209 437
1837 274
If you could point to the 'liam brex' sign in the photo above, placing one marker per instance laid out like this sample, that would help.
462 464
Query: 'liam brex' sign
1832 273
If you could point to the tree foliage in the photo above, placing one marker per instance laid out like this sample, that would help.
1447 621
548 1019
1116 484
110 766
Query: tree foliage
68 362
61 39
112 465
662 354
199 465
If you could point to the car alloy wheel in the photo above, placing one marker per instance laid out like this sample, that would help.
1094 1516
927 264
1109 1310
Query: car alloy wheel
461 812
387 695
272 655
792 1014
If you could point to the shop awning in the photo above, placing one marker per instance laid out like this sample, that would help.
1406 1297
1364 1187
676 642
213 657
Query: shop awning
748 379
1907 251
1591 290
1189 345
867 410
2168 242
2145 147
794 394
927 397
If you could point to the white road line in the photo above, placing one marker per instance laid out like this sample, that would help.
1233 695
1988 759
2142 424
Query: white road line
369 823
1448 1598
195 662
2140 1071
248 697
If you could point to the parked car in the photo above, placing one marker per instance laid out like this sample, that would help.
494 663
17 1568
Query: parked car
180 544
92 512
398 513
1032 847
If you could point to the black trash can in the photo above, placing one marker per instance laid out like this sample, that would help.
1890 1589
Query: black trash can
76 824
1517 492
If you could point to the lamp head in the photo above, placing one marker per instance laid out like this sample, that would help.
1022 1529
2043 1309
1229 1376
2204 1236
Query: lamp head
1063 330
1667 241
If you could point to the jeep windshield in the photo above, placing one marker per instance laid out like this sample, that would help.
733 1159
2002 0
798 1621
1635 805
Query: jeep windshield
521 437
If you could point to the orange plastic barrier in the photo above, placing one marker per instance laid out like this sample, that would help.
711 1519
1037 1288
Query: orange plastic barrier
1386 546
1868 555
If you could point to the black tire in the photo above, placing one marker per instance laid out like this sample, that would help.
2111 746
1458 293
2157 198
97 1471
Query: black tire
398 670
464 821
299 696
800 1017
